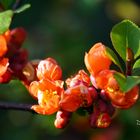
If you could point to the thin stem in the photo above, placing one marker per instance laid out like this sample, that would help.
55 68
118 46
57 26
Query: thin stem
128 68
129 61
16 4
16 106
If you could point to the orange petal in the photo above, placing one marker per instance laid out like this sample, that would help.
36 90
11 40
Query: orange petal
3 65
49 101
119 98
77 90
7 35
96 59
80 78
47 84
3 46
102 78
49 69
129 100
40 110
103 120
70 103
33 88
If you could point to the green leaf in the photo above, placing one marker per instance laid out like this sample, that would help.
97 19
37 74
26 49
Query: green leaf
113 57
22 8
125 35
136 68
121 79
126 83
5 20
7 3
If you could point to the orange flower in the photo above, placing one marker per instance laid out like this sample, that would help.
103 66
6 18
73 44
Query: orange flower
48 102
70 102
3 46
49 88
119 98
75 97
101 79
44 85
103 120
96 59
48 94
80 78
105 81
48 69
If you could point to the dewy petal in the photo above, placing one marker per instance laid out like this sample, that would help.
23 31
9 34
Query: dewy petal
96 59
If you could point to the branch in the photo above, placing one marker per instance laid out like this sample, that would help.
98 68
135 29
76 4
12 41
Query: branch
16 4
16 106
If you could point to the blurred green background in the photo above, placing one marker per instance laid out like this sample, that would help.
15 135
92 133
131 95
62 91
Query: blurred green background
65 30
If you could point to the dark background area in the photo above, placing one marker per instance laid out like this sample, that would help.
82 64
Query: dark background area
65 30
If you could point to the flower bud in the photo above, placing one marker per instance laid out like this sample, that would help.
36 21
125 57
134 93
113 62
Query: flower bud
48 69
62 119
103 120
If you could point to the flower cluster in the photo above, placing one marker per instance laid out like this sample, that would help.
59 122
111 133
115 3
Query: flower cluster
49 90
102 78
99 94
12 57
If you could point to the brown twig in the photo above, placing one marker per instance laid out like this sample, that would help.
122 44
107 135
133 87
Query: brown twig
16 106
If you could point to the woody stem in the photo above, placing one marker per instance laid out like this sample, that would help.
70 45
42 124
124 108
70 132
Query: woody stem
129 61
128 68
16 4
16 106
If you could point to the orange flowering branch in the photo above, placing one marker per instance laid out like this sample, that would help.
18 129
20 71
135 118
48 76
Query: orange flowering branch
97 93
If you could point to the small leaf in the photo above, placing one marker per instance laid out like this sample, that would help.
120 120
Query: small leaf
5 20
125 35
22 8
121 79
136 68
136 64
113 57
126 83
